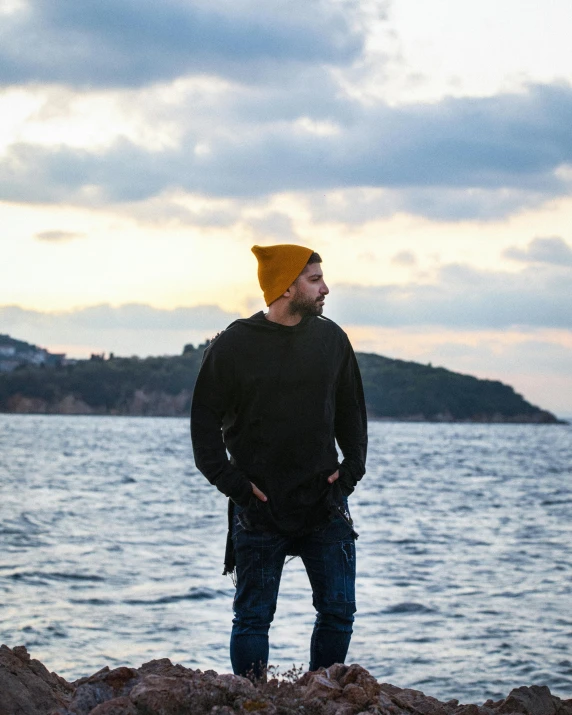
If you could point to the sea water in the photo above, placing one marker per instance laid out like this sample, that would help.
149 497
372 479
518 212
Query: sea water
112 544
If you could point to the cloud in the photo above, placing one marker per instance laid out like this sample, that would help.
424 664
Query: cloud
404 258
552 250
274 225
459 158
133 329
461 297
133 316
361 205
57 236
166 209
131 43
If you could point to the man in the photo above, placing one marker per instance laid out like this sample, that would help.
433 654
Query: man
277 390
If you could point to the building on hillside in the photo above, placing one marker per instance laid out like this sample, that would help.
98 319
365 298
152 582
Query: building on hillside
15 353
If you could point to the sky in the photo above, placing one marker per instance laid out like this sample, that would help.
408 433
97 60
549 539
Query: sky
423 149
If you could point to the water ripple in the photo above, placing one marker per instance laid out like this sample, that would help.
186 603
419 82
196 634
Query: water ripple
112 547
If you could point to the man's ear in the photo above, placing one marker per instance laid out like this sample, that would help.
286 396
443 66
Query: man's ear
288 292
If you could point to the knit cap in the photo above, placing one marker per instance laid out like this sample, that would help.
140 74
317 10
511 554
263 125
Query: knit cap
278 267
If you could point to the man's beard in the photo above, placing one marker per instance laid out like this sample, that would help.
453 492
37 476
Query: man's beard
305 306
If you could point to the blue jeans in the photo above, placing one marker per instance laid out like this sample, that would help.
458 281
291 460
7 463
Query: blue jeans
328 554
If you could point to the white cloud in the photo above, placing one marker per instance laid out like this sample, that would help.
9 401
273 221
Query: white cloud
56 236
552 250
134 329
463 297
134 316
273 225
404 258
126 43
457 159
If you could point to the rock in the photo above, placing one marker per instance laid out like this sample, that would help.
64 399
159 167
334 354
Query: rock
467 710
355 695
101 687
117 706
359 676
161 688
535 700
416 702
338 708
26 686
235 685
177 689
20 652
141 403
321 686
161 695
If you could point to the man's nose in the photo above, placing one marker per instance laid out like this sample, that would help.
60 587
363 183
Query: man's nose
325 290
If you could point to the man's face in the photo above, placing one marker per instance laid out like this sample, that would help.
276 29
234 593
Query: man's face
308 292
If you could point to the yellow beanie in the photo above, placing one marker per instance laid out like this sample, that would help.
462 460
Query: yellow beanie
278 267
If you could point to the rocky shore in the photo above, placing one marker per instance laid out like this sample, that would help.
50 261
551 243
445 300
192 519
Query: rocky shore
162 387
140 404
161 688
161 404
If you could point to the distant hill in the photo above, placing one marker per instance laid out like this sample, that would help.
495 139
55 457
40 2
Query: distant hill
412 391
11 345
14 353
162 386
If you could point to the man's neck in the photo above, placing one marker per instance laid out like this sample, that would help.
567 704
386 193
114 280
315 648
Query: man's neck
280 314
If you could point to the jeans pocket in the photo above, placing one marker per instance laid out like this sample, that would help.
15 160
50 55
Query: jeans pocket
240 522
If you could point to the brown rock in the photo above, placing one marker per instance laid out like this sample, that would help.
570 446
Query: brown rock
183 690
494 704
103 686
163 666
360 676
320 686
161 688
467 710
161 695
20 652
88 696
158 404
386 706
26 405
71 405
338 708
535 700
414 701
120 680
337 671
117 706
356 695
235 685
258 705
26 686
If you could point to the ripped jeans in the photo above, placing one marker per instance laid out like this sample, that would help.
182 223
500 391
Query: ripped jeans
328 554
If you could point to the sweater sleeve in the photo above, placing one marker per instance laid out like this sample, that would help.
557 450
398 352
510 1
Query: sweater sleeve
351 423
212 398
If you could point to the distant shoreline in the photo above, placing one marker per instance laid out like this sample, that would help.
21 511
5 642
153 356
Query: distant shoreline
492 421
394 390
401 420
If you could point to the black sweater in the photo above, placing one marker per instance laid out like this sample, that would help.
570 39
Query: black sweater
277 398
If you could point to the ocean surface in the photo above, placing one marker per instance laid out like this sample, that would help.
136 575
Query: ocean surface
111 547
